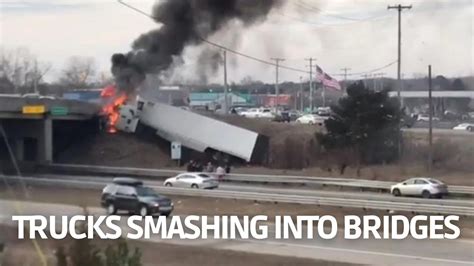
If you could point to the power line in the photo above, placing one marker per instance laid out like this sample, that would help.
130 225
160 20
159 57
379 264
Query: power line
373 70
306 6
309 7
329 25
221 46
250 56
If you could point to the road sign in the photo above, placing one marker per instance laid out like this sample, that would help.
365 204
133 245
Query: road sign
59 110
176 151
34 109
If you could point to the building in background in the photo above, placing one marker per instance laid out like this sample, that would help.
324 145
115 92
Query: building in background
89 95
172 95
211 100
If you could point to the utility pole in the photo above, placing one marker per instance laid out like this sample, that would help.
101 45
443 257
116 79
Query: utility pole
277 89
35 78
226 87
345 70
311 92
366 76
399 8
380 75
430 107
301 95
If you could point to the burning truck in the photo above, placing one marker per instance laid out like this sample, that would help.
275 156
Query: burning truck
159 51
193 131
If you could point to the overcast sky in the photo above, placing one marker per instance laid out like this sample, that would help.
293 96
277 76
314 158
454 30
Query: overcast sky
358 34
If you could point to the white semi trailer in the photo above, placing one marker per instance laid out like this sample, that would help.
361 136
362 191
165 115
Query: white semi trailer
194 131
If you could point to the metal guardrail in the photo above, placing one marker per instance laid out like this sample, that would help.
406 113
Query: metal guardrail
269 197
277 179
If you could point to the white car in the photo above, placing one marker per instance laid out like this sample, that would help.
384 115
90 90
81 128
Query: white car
465 127
192 180
311 119
258 113
426 118
420 186
38 96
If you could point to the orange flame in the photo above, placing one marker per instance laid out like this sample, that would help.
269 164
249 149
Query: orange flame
112 108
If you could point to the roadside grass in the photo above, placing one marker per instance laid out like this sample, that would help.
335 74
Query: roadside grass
21 252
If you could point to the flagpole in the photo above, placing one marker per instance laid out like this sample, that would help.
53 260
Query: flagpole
323 93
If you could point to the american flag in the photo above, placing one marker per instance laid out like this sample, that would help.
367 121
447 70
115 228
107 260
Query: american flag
326 79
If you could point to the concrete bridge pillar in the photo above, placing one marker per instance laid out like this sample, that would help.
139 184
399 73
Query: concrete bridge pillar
19 149
45 141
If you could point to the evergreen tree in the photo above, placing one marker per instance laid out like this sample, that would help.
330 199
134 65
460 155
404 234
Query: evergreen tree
365 123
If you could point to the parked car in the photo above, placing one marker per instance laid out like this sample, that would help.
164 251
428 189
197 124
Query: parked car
323 111
129 194
37 96
192 180
294 114
283 116
311 119
238 110
464 127
258 113
420 186
426 118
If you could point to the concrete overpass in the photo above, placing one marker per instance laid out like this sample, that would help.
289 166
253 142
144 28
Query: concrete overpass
31 124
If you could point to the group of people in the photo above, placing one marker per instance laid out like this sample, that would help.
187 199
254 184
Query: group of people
220 171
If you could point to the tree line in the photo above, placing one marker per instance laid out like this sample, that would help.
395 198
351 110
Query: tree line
22 72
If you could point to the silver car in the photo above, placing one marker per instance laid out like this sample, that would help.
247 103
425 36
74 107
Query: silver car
192 180
420 186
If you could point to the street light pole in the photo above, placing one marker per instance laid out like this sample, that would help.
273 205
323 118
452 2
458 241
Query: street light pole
430 107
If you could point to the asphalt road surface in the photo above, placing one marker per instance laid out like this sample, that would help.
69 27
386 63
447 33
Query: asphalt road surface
373 252
296 191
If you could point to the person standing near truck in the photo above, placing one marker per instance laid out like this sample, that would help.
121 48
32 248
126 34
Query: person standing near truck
209 167
220 172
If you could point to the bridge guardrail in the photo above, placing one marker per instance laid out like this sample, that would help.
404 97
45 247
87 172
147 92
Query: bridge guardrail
269 197
237 177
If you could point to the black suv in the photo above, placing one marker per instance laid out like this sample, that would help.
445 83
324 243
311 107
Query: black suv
131 195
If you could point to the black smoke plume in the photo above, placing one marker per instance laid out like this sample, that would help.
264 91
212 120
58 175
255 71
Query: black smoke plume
183 23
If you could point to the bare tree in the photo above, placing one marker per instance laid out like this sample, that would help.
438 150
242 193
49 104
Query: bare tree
78 72
20 68
105 78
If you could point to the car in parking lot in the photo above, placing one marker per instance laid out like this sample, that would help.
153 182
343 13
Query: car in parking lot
129 194
282 117
426 118
192 180
258 113
311 119
425 187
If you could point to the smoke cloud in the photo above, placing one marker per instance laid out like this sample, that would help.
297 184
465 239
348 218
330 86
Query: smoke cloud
183 23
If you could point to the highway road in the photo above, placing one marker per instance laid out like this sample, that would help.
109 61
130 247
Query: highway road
381 201
349 183
292 191
371 252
